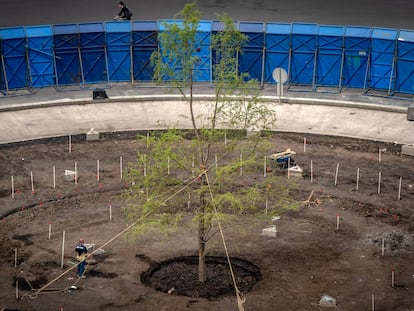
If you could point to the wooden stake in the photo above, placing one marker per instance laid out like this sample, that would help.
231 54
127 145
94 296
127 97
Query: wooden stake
225 138
304 144
241 164
110 212
63 249
70 144
76 173
357 185
31 181
311 171
336 173
15 257
379 155
54 177
97 170
145 165
382 246
168 165
12 184
192 165
264 170
337 222
120 168
399 189
379 182
267 205
50 230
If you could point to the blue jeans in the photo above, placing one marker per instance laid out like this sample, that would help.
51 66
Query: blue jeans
81 267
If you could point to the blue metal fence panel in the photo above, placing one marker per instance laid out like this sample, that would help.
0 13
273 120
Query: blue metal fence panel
277 48
330 56
304 39
93 55
13 51
201 50
40 55
405 62
118 40
383 45
66 43
145 42
251 56
357 49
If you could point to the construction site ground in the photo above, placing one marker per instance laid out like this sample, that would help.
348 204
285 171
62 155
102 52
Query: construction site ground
308 258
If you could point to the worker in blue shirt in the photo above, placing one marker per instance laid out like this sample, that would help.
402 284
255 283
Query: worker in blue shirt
81 251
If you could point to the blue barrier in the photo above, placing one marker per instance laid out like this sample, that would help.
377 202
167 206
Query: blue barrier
66 47
304 43
14 58
252 56
278 39
405 63
372 59
93 52
40 55
145 42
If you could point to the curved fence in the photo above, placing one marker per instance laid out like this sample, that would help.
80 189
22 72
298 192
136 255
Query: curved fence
314 56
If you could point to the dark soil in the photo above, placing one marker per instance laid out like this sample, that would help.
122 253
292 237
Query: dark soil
307 259
179 276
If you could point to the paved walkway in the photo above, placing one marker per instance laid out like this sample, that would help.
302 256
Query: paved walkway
50 113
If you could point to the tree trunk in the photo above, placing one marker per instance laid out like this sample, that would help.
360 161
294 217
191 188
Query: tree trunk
201 254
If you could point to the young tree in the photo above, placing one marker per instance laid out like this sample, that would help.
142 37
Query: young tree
166 174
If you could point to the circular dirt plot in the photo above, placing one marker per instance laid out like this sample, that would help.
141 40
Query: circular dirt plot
179 276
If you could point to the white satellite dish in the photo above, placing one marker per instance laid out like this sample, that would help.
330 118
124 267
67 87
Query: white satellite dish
279 75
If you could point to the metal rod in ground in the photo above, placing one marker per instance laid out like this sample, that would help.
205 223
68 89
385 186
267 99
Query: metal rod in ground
168 165
336 173
241 164
267 205
12 185
288 169
265 168
63 249
50 230
147 140
337 222
54 177
382 246
357 184
70 144
373 302
304 144
76 173
110 212
392 277
225 138
311 173
15 257
399 189
379 155
97 170
31 181
379 182
120 167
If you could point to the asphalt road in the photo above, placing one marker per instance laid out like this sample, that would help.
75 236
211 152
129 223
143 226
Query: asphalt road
378 13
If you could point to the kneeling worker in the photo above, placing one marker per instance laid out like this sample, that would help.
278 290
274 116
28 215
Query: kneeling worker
81 251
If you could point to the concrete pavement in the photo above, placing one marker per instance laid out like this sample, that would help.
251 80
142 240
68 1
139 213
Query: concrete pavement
50 113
